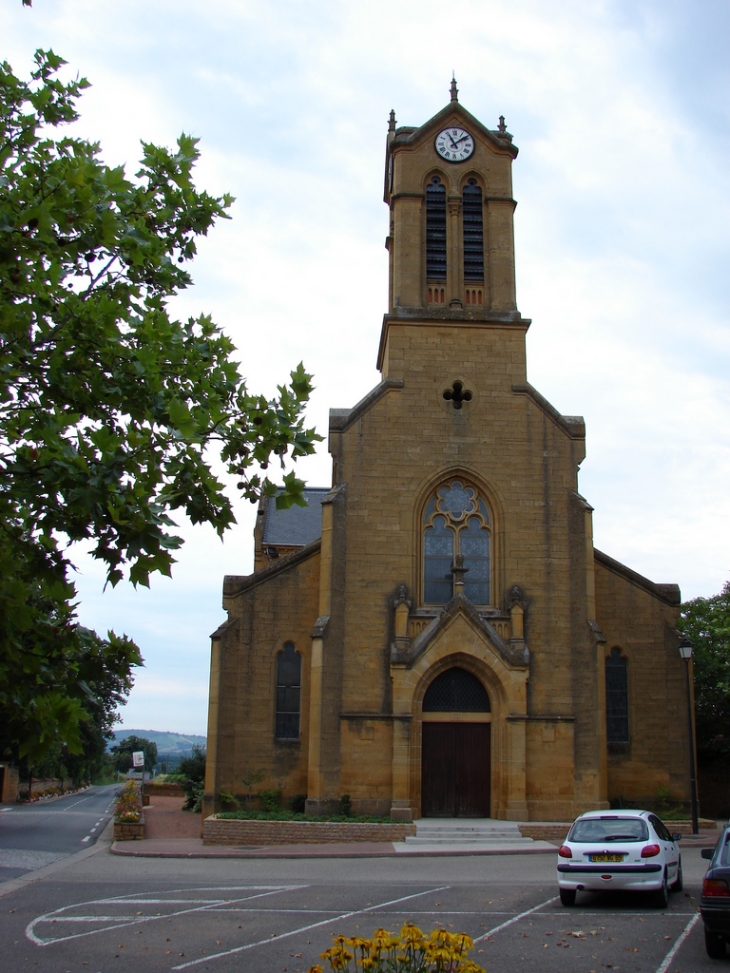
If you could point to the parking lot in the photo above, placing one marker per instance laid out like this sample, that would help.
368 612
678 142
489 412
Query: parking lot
139 915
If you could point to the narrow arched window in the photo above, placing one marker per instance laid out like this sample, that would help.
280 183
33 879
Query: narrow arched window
473 222
456 522
617 697
456 691
288 692
436 230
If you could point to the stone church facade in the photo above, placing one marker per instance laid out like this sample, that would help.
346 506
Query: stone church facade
436 634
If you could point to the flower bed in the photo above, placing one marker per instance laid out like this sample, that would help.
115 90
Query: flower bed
411 952
128 816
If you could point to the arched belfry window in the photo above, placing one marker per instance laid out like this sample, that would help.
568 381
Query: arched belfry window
436 230
473 221
456 522
456 691
288 692
617 697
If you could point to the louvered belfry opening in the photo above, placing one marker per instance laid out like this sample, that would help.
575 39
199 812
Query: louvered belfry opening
473 220
436 230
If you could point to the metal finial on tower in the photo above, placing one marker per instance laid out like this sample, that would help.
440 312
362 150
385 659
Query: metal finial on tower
391 121
502 126
454 89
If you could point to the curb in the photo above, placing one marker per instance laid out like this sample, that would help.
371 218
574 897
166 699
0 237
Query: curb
327 851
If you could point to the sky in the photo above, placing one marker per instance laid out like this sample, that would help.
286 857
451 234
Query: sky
621 112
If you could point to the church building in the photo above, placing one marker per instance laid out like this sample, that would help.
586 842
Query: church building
435 634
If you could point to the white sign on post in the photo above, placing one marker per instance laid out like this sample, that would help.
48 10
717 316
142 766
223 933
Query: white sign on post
138 758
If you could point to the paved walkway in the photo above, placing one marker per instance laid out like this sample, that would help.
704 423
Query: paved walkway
174 833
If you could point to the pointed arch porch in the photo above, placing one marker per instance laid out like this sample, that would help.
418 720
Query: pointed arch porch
461 637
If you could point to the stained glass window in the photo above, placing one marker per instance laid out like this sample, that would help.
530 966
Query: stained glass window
617 697
474 546
456 521
288 691
438 558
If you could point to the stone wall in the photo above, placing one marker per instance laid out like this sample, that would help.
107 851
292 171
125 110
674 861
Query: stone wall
557 833
217 831
128 830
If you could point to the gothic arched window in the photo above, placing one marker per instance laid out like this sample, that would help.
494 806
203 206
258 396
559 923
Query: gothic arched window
436 230
456 691
473 222
617 697
288 692
456 522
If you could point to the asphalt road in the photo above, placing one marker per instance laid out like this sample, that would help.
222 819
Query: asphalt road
103 913
35 835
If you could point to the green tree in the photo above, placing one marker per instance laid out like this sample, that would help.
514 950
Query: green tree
706 622
192 768
112 411
122 753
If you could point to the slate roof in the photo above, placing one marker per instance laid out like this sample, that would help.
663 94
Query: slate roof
297 526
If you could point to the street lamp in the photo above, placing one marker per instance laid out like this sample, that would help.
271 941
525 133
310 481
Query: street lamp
685 650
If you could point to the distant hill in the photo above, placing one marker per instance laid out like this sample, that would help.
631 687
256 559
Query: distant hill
168 744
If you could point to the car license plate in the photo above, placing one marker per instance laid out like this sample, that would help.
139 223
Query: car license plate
606 858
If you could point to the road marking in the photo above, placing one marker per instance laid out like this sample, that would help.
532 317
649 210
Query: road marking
675 949
87 838
314 925
53 917
516 918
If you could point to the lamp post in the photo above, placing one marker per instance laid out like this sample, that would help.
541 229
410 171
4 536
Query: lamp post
685 650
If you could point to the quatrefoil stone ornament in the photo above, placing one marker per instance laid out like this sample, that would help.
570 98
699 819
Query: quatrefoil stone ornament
457 395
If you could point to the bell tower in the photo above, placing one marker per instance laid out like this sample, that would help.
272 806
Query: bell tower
449 188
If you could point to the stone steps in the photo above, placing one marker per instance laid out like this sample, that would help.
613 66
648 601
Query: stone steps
466 832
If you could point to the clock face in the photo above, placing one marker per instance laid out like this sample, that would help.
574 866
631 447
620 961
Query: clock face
454 144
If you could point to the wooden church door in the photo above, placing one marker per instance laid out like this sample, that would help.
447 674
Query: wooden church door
455 756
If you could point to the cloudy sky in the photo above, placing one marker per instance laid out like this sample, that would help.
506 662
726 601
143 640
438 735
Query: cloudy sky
620 109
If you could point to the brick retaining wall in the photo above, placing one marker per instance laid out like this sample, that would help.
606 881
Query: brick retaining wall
558 832
217 831
166 790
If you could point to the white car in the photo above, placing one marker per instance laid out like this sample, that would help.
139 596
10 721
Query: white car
619 851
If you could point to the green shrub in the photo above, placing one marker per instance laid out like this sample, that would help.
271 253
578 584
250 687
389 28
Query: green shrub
229 800
283 815
270 800
346 805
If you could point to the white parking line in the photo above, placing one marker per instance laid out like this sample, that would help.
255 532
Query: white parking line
314 925
87 838
53 917
516 918
674 950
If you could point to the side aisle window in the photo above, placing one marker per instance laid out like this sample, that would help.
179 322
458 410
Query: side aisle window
288 691
617 697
